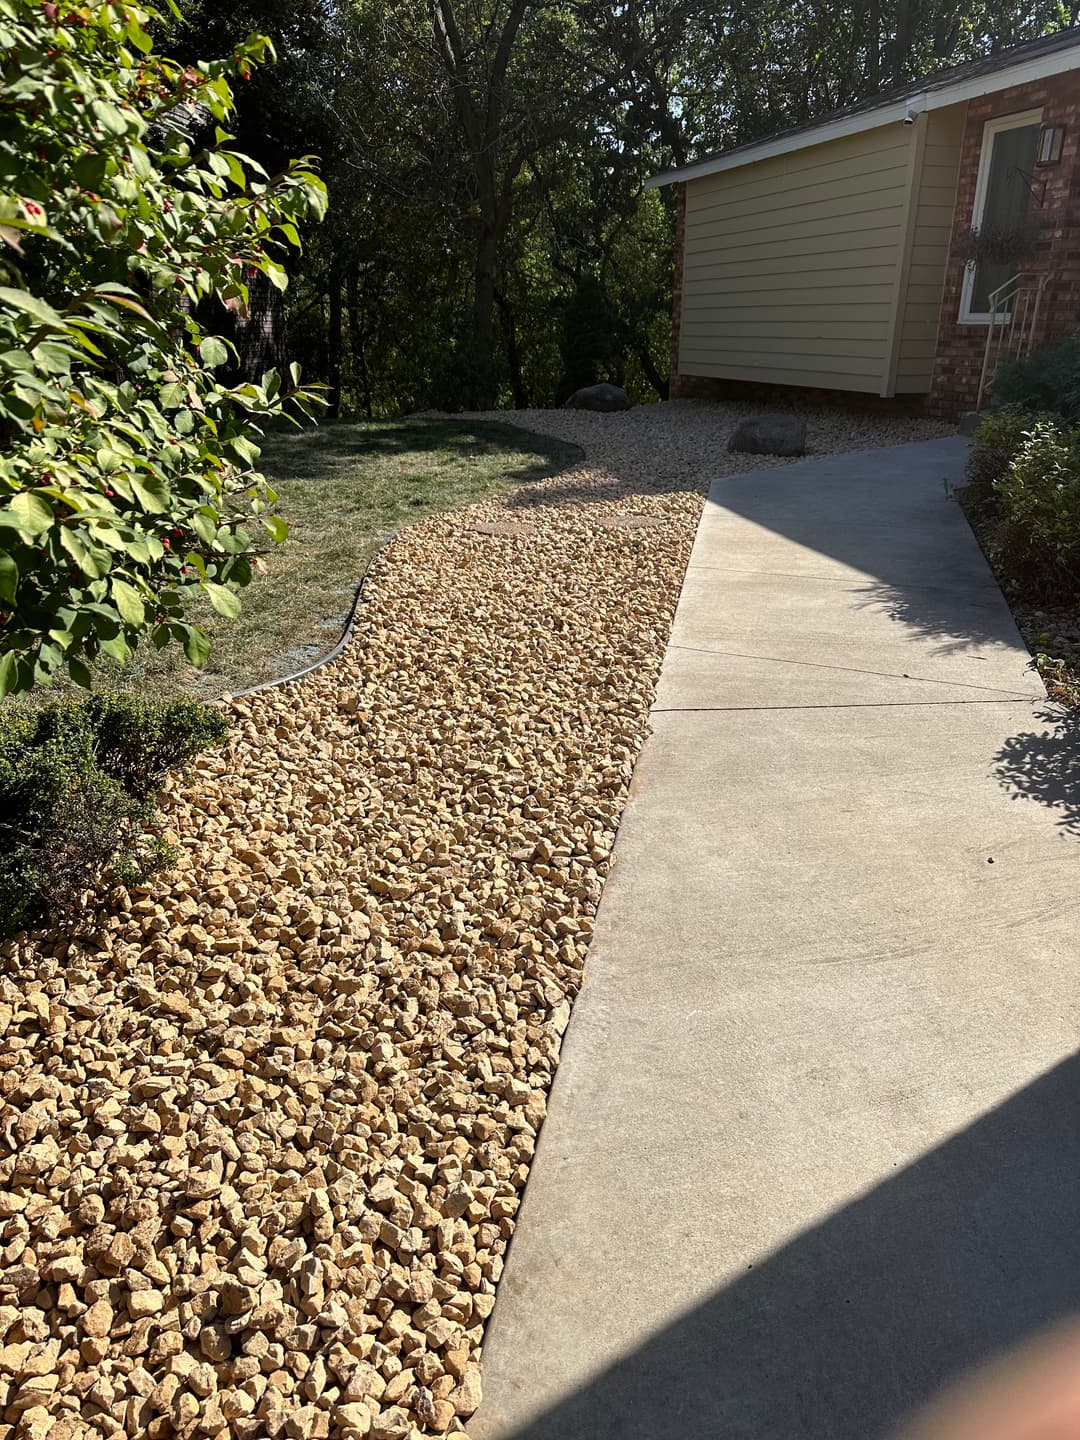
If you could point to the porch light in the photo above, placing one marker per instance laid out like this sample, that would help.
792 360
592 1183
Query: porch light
1051 139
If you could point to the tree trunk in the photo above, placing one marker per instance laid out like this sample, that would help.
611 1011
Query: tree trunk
652 374
513 354
487 248
333 344
357 345
479 93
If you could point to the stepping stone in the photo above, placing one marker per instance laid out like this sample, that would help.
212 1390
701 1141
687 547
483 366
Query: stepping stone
512 528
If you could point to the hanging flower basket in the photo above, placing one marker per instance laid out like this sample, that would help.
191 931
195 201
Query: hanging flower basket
998 245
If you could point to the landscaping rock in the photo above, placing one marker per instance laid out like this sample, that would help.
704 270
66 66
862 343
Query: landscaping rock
265 1123
970 421
769 435
602 397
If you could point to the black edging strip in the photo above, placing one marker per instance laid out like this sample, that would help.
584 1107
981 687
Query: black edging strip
344 638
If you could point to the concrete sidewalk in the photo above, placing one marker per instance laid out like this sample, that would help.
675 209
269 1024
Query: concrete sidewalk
814 1143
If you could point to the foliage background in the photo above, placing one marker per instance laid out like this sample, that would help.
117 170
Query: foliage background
489 239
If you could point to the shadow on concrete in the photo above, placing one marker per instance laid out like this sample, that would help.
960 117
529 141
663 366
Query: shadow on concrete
861 1320
924 568
1044 765
940 613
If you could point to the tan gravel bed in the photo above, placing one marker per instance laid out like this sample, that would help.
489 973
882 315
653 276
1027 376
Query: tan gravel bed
265 1128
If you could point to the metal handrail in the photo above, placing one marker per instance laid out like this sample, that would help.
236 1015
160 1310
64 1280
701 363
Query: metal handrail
1014 315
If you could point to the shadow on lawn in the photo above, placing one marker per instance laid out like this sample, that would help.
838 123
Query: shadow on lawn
315 453
972 1249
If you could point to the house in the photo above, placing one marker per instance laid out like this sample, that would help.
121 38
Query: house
899 247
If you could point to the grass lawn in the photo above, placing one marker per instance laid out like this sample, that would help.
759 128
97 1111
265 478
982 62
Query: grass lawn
342 487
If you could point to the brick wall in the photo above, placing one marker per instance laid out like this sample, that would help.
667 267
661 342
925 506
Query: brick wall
960 348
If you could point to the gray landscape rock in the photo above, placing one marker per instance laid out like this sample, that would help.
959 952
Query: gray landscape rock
769 435
598 397
969 422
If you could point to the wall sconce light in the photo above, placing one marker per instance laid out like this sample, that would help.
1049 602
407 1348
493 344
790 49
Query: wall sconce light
1051 139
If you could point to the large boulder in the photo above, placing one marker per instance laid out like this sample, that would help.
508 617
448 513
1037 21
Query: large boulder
769 435
599 397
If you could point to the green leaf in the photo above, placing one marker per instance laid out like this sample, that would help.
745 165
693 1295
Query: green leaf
128 602
138 37
275 527
151 492
223 600
245 448
78 672
90 171
38 309
51 355
196 647
109 116
138 549
9 667
9 577
214 351
204 527
116 647
115 298
236 170
29 514
79 552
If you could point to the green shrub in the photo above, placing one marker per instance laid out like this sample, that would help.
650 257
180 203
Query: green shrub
1047 380
996 442
127 465
1037 535
77 787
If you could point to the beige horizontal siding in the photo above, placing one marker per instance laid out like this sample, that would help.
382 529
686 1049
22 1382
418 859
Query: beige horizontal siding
819 243
934 202
867 381
791 264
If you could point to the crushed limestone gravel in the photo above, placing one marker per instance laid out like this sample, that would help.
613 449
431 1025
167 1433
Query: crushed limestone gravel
266 1122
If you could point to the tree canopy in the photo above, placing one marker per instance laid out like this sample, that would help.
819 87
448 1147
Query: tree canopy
486 162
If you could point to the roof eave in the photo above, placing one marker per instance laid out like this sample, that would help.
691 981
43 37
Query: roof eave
1023 72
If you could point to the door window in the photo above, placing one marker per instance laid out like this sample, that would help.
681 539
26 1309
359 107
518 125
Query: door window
1002 202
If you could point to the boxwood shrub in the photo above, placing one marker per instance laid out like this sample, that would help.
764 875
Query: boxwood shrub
78 781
